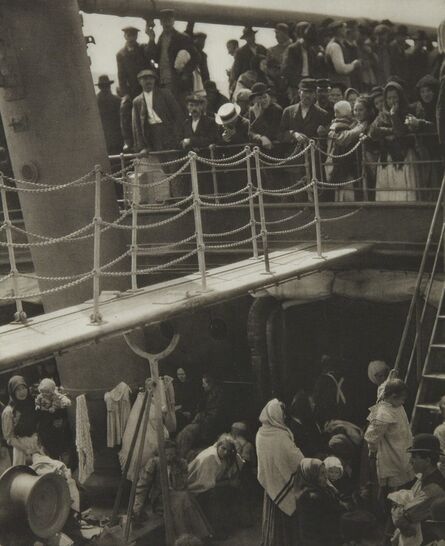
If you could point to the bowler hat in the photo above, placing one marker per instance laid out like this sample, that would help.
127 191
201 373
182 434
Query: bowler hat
195 97
307 84
323 84
259 88
43 502
133 30
147 72
227 113
246 32
425 443
103 80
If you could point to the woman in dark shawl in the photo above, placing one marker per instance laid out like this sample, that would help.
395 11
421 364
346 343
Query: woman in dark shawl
396 175
19 421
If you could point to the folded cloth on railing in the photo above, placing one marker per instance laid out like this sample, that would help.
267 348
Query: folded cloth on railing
83 439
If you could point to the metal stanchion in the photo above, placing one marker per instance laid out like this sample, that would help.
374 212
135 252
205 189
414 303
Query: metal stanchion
198 220
307 168
316 202
214 177
96 316
19 315
251 204
261 207
364 179
135 200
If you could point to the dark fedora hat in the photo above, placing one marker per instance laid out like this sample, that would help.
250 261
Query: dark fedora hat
103 80
259 88
42 502
247 31
323 83
425 443
227 113
166 13
307 84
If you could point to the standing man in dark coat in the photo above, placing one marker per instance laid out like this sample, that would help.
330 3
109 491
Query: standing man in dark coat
323 90
199 40
157 117
264 117
131 59
109 110
304 120
244 55
176 56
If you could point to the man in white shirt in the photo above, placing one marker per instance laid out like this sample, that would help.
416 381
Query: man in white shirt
338 69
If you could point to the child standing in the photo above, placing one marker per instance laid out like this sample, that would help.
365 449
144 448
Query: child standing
389 436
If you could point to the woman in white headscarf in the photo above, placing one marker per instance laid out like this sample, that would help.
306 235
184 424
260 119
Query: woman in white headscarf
378 372
278 463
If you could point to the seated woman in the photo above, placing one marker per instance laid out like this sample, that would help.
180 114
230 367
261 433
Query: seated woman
20 422
319 509
214 476
186 513
396 178
208 422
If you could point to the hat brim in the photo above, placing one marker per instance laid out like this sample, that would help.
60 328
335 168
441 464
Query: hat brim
420 450
258 93
109 82
148 75
236 114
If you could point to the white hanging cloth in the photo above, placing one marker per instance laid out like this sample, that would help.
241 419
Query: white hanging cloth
118 411
84 445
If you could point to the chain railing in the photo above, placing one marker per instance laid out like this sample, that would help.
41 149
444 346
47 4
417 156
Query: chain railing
196 172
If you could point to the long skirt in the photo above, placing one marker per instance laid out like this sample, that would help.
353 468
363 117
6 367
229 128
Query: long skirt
278 528
188 518
397 182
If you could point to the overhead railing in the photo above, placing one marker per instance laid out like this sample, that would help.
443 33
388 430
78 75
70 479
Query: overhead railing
194 172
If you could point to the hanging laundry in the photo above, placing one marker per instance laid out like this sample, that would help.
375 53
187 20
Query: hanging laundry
118 410
83 439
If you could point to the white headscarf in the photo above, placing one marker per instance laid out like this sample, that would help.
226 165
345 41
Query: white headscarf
278 457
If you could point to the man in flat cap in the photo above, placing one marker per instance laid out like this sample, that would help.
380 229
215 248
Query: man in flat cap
109 110
304 120
176 56
131 59
323 90
282 35
430 485
157 117
244 54
338 68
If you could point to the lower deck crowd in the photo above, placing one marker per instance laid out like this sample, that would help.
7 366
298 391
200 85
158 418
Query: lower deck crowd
322 475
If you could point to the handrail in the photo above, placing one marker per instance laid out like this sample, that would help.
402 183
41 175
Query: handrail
439 205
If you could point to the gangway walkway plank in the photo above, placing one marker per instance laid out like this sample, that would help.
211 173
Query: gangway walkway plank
68 328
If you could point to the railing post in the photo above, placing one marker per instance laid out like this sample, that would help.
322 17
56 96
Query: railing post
19 315
259 184
364 179
251 203
214 176
419 337
316 202
200 245
96 316
135 200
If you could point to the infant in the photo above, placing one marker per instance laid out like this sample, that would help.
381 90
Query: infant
49 397
334 469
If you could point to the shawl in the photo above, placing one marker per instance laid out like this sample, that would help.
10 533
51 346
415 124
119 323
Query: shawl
205 470
83 439
278 457
310 472
25 416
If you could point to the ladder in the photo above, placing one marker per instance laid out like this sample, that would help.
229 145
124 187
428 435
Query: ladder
430 372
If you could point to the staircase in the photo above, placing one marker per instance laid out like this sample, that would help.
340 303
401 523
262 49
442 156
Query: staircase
419 368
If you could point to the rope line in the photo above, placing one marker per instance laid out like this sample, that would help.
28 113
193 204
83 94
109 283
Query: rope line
339 156
151 269
292 230
336 218
234 244
154 225
339 184
226 233
227 205
282 220
45 188
286 193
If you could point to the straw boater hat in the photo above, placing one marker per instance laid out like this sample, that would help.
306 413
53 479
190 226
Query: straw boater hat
227 113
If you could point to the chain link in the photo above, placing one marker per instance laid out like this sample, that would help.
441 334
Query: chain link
45 188
156 224
286 193
337 218
151 269
338 184
292 230
228 205
340 156
158 250
282 220
281 161
224 195
234 244
226 233
154 207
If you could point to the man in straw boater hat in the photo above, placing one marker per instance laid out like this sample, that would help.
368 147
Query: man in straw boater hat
429 486
109 110
131 59
234 129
